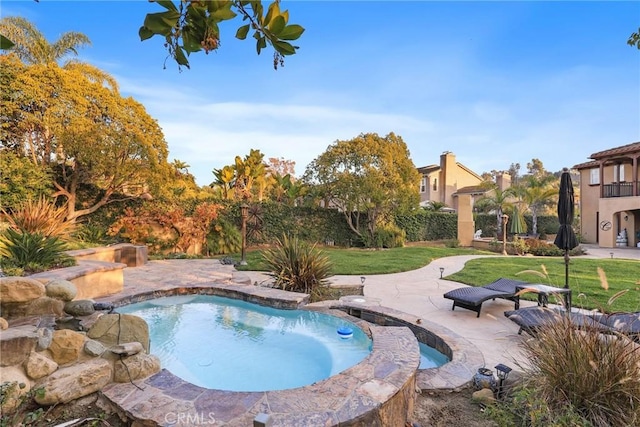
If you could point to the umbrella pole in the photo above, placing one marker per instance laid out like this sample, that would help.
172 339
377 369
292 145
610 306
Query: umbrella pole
566 269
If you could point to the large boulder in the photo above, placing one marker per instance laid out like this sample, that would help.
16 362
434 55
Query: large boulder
115 328
20 289
16 384
38 366
61 289
66 346
16 344
45 305
135 367
83 307
75 381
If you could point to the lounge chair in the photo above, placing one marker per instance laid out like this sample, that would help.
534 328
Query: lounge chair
624 323
531 319
471 298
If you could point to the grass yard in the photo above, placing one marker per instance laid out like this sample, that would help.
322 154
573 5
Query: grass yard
370 261
588 290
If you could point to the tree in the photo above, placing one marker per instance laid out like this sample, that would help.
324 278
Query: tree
634 39
368 178
496 200
84 132
21 180
536 168
514 171
245 179
281 166
537 192
193 25
33 48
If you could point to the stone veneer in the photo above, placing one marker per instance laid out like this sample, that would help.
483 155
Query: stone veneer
379 391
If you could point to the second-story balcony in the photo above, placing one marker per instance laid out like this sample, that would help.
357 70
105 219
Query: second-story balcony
618 189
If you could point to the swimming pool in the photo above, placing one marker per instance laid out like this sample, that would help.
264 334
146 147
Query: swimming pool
229 344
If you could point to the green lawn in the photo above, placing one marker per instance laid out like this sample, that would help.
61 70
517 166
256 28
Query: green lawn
369 261
588 292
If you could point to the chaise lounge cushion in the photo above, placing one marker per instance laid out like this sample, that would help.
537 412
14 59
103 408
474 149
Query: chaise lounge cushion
532 319
472 298
505 285
625 323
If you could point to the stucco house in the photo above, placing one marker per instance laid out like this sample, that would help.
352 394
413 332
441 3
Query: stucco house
444 183
610 197
440 183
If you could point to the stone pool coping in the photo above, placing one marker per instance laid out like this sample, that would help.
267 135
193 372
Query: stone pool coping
378 391
465 358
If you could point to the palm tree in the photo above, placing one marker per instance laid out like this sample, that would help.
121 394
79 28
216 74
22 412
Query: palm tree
496 200
537 193
33 48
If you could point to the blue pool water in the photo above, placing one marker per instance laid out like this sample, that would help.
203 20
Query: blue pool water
233 345
430 357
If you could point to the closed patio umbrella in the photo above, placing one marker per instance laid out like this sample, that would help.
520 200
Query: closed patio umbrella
566 238
518 224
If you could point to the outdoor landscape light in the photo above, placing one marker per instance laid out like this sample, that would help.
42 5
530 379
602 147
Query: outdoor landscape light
441 271
362 279
611 253
503 373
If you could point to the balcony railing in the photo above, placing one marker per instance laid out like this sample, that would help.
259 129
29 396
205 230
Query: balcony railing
618 189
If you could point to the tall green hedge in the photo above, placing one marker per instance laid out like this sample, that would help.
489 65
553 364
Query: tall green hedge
268 221
425 225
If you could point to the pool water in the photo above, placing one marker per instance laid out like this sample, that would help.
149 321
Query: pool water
233 345
430 357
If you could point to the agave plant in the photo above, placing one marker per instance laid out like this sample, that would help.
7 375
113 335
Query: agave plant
297 265
31 252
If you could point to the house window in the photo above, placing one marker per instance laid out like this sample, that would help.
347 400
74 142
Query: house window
435 184
423 184
594 175
616 169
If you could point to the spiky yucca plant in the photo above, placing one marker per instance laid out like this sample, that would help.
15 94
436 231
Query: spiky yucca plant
40 216
296 265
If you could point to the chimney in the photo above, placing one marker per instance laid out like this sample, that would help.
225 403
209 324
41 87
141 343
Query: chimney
503 180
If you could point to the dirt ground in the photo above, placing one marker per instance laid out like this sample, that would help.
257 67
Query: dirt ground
449 409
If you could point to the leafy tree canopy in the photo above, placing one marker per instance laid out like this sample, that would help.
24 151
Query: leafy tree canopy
634 39
83 131
193 25
369 178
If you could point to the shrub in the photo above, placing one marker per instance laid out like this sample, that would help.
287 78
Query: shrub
385 236
31 252
40 217
223 238
577 377
452 243
296 265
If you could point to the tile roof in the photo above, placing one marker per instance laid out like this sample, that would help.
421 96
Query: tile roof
586 165
625 149
428 169
472 189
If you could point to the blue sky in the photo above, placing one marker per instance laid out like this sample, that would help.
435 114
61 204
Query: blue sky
493 82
